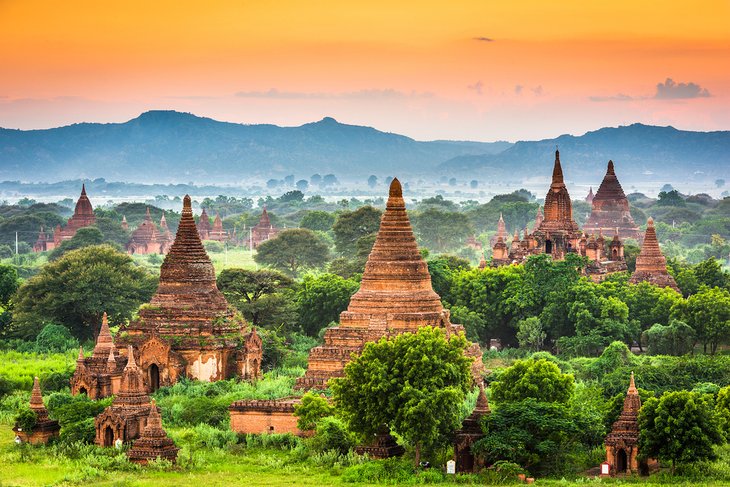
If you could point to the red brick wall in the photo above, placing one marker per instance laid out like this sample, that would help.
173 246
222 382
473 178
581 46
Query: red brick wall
262 422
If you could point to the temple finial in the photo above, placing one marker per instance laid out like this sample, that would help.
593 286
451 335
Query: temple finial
130 354
610 168
396 190
632 385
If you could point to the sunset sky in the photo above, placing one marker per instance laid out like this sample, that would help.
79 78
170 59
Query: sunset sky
480 70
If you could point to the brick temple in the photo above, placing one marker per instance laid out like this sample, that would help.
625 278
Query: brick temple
395 296
45 428
153 443
147 239
471 432
622 443
188 329
203 226
99 375
651 265
125 419
83 217
217 233
263 231
610 210
557 234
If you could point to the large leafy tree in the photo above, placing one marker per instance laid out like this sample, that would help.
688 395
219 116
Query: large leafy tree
84 237
257 294
708 312
321 299
680 427
352 225
414 383
317 220
540 379
441 230
78 288
292 250
8 283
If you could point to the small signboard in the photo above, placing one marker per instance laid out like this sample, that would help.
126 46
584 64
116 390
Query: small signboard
605 469
451 467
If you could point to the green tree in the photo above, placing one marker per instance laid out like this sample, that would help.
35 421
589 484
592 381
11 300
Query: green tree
414 383
670 198
55 339
311 409
537 379
680 427
321 299
9 283
530 334
78 288
257 294
292 250
84 237
318 220
676 338
352 225
709 272
708 313
722 407
441 230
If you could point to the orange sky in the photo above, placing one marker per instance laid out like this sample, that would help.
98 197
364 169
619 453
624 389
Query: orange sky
420 68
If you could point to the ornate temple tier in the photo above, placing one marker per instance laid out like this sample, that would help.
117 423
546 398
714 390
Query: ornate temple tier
44 428
610 209
395 296
154 442
651 265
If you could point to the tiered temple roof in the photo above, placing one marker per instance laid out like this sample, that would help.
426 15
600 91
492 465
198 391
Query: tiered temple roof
610 209
651 265
264 230
99 374
154 442
146 239
204 227
590 196
501 231
45 428
83 217
395 296
217 233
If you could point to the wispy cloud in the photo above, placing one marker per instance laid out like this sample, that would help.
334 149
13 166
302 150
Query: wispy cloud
518 89
483 39
476 87
668 90
671 90
273 93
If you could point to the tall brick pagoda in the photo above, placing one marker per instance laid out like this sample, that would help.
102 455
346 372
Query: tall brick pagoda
147 239
610 209
622 443
217 233
651 265
188 328
45 428
83 217
590 196
204 227
99 375
395 296
263 231
153 443
501 231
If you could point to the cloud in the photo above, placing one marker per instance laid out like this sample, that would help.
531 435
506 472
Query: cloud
671 90
483 39
518 89
538 91
619 97
477 87
273 93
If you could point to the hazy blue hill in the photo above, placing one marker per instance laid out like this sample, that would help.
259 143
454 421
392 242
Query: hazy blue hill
174 146
644 151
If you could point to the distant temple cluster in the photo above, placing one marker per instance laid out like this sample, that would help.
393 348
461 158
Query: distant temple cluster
556 233
147 239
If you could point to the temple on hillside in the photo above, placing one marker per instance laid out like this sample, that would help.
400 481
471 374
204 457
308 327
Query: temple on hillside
263 231
188 329
395 296
610 210
153 443
125 419
204 227
651 265
45 428
217 233
146 239
622 444
557 234
83 217
471 432
501 232
100 374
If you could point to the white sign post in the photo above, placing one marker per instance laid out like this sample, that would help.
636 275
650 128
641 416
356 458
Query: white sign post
451 467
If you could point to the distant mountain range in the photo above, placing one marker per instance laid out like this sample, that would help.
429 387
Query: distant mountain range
173 147
641 152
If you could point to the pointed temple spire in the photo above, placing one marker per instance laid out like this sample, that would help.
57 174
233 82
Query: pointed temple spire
651 265
81 354
83 189
622 443
632 386
557 171
36 399
610 208
125 225
104 342
153 442
163 222
44 428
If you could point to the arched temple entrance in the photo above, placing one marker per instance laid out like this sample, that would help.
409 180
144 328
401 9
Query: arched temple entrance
154 377
621 461
108 436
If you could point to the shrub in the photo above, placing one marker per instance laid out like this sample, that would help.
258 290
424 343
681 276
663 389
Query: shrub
82 431
311 409
213 246
26 419
331 434
55 339
392 470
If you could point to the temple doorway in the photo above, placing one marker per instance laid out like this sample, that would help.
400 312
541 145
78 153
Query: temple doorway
83 391
548 247
108 436
154 372
621 461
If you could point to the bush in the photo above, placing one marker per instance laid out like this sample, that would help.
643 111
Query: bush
331 434
311 409
55 339
26 419
677 338
391 470
82 432
213 246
